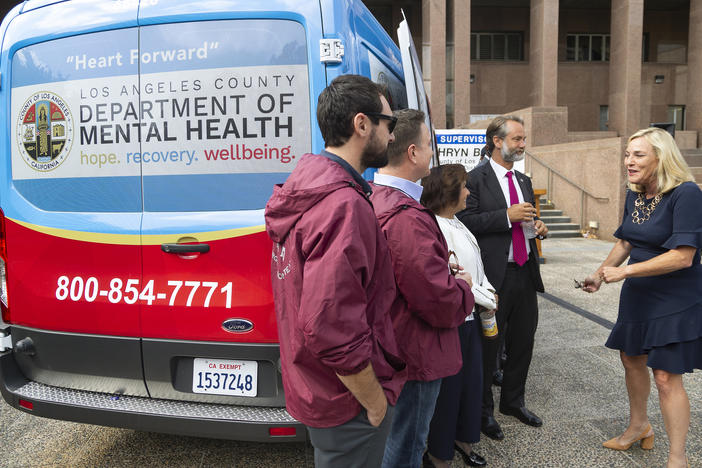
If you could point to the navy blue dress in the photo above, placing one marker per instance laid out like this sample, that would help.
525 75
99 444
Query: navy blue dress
662 315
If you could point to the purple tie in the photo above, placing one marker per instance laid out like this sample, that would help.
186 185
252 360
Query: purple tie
518 245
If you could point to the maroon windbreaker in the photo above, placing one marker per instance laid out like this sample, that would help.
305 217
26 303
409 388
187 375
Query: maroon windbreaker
430 303
333 287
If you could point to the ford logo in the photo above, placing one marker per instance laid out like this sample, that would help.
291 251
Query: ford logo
237 325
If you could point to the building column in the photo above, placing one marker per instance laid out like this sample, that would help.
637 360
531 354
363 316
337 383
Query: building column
694 70
543 53
625 66
461 62
434 57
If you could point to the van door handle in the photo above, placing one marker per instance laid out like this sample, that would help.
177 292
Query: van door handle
185 248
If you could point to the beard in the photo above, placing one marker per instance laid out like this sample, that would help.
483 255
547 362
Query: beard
374 154
512 155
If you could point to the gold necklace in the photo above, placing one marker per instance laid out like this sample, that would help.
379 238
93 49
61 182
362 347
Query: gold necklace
646 210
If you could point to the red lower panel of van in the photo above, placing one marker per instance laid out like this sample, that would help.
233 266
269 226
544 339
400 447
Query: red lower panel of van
222 295
63 284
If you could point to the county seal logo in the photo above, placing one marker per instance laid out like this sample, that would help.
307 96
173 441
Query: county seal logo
44 131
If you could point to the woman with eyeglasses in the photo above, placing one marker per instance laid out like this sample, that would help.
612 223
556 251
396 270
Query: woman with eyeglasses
456 421
660 307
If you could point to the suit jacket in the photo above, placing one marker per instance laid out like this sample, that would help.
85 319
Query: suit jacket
486 217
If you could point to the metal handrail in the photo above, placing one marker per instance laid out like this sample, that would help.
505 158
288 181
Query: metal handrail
583 190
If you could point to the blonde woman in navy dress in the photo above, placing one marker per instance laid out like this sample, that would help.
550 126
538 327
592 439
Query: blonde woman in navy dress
660 308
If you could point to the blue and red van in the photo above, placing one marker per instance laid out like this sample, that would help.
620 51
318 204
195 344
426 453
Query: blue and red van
141 142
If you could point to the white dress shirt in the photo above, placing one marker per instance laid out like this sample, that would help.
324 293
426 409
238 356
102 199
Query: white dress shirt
465 246
501 174
409 188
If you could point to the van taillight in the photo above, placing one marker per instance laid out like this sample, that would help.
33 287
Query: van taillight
3 271
281 431
26 404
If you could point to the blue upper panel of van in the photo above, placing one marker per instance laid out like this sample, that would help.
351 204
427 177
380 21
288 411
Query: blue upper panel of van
83 49
170 64
355 25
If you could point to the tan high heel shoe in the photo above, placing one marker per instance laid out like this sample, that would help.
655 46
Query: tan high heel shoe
646 441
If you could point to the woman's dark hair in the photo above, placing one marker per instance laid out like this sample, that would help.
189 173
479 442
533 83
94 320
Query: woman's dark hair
442 186
346 96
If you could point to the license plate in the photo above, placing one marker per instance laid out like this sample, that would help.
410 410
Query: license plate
225 377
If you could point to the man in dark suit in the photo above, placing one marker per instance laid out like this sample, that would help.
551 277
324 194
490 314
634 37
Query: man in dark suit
500 200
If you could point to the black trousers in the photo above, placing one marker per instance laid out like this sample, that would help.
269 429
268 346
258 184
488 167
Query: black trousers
517 317
457 412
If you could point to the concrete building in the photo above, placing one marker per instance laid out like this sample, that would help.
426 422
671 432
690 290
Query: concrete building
585 74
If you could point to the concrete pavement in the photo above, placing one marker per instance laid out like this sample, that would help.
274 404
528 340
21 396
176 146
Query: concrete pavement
576 384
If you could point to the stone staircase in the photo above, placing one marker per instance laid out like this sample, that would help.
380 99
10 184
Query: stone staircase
558 225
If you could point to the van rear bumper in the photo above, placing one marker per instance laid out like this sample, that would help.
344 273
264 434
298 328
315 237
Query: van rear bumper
247 423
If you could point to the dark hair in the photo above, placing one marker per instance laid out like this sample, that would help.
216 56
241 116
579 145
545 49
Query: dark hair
498 127
442 186
338 104
407 132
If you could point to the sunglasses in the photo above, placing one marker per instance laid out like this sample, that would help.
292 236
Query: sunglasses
391 118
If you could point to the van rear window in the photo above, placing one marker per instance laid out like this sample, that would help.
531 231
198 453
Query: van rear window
199 116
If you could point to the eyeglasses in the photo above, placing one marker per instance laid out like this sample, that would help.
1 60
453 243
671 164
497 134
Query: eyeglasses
454 267
391 118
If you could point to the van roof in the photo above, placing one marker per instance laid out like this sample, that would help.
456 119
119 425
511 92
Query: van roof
34 4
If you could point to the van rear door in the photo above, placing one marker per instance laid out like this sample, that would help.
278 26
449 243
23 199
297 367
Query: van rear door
72 205
230 101
417 97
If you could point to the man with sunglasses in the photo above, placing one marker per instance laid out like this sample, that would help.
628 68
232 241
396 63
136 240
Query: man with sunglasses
333 282
431 303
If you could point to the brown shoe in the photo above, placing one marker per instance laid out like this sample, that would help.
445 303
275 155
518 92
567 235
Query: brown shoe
646 441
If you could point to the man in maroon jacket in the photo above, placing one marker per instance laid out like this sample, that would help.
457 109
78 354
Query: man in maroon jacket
430 303
333 282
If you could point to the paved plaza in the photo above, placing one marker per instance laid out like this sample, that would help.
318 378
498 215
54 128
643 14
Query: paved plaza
576 385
